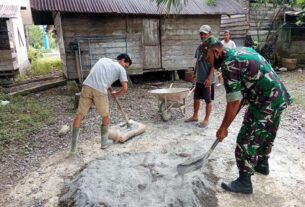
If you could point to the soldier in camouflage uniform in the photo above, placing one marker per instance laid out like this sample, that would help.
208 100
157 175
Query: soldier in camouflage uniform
250 79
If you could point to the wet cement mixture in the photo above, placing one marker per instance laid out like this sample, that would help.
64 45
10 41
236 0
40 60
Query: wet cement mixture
142 171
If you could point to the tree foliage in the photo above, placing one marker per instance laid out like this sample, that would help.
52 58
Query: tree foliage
179 4
35 37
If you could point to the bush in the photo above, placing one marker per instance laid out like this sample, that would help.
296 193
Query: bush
44 66
33 54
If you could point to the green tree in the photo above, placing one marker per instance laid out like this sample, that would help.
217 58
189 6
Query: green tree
52 40
301 18
35 36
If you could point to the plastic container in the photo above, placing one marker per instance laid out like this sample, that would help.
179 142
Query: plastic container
289 63
188 75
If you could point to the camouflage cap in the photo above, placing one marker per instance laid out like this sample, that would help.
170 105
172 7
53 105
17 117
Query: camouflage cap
212 41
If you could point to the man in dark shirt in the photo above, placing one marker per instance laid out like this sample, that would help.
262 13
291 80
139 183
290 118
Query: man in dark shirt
204 74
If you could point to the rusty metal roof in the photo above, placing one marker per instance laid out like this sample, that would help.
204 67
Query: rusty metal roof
144 7
8 11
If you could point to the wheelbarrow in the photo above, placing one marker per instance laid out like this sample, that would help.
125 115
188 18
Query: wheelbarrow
171 98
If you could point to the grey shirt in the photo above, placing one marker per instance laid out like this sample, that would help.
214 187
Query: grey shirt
202 67
104 73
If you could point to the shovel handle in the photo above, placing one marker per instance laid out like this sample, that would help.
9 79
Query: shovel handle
214 144
211 149
121 109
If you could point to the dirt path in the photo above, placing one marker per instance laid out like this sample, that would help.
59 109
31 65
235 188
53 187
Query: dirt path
166 145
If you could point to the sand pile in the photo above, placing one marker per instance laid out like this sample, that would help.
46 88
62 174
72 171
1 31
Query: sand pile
138 179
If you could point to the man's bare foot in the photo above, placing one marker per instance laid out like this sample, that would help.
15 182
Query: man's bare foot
191 119
203 124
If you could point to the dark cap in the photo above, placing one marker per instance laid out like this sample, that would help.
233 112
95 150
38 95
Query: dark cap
212 42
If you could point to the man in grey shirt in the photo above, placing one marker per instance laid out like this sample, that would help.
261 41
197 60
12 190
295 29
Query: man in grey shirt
94 91
204 75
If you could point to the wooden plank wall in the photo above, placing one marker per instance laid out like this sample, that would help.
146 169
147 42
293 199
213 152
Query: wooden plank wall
99 29
254 22
4 38
261 20
60 40
151 43
180 38
238 26
7 60
7 57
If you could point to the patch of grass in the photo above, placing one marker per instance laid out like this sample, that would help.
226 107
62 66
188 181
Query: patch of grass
22 77
44 66
20 119
296 81
299 98
293 78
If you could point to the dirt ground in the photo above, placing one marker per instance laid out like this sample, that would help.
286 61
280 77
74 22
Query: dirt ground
42 177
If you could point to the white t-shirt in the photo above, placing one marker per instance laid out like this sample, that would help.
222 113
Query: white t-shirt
104 73
230 44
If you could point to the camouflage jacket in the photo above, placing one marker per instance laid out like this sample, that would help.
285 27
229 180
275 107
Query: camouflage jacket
247 75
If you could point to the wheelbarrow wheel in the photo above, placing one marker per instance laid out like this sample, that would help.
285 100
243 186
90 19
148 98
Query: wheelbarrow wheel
165 115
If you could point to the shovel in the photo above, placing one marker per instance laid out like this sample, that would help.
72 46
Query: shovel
122 111
195 163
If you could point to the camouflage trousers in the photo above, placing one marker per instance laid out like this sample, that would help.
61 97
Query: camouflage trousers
256 137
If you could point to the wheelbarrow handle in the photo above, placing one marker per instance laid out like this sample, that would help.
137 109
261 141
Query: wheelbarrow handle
191 91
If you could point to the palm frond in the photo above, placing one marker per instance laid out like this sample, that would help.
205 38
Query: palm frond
168 4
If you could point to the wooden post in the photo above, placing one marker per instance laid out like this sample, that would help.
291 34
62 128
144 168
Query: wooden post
79 75
76 100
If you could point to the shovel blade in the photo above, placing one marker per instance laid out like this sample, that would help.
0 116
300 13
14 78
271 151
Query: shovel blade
190 166
195 163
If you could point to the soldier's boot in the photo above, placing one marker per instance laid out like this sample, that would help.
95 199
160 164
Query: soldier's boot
75 133
262 166
242 184
105 141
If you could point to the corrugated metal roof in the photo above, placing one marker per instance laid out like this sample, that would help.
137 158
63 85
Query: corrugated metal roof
8 11
149 7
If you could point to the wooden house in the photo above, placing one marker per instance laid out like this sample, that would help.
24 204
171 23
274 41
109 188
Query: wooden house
155 39
258 22
274 25
13 51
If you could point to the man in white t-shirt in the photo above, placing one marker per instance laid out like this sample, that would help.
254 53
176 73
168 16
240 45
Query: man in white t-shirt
94 91
227 43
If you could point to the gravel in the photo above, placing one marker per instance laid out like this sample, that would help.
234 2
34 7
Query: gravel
137 103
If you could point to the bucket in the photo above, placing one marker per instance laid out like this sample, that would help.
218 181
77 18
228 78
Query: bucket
188 75
289 63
